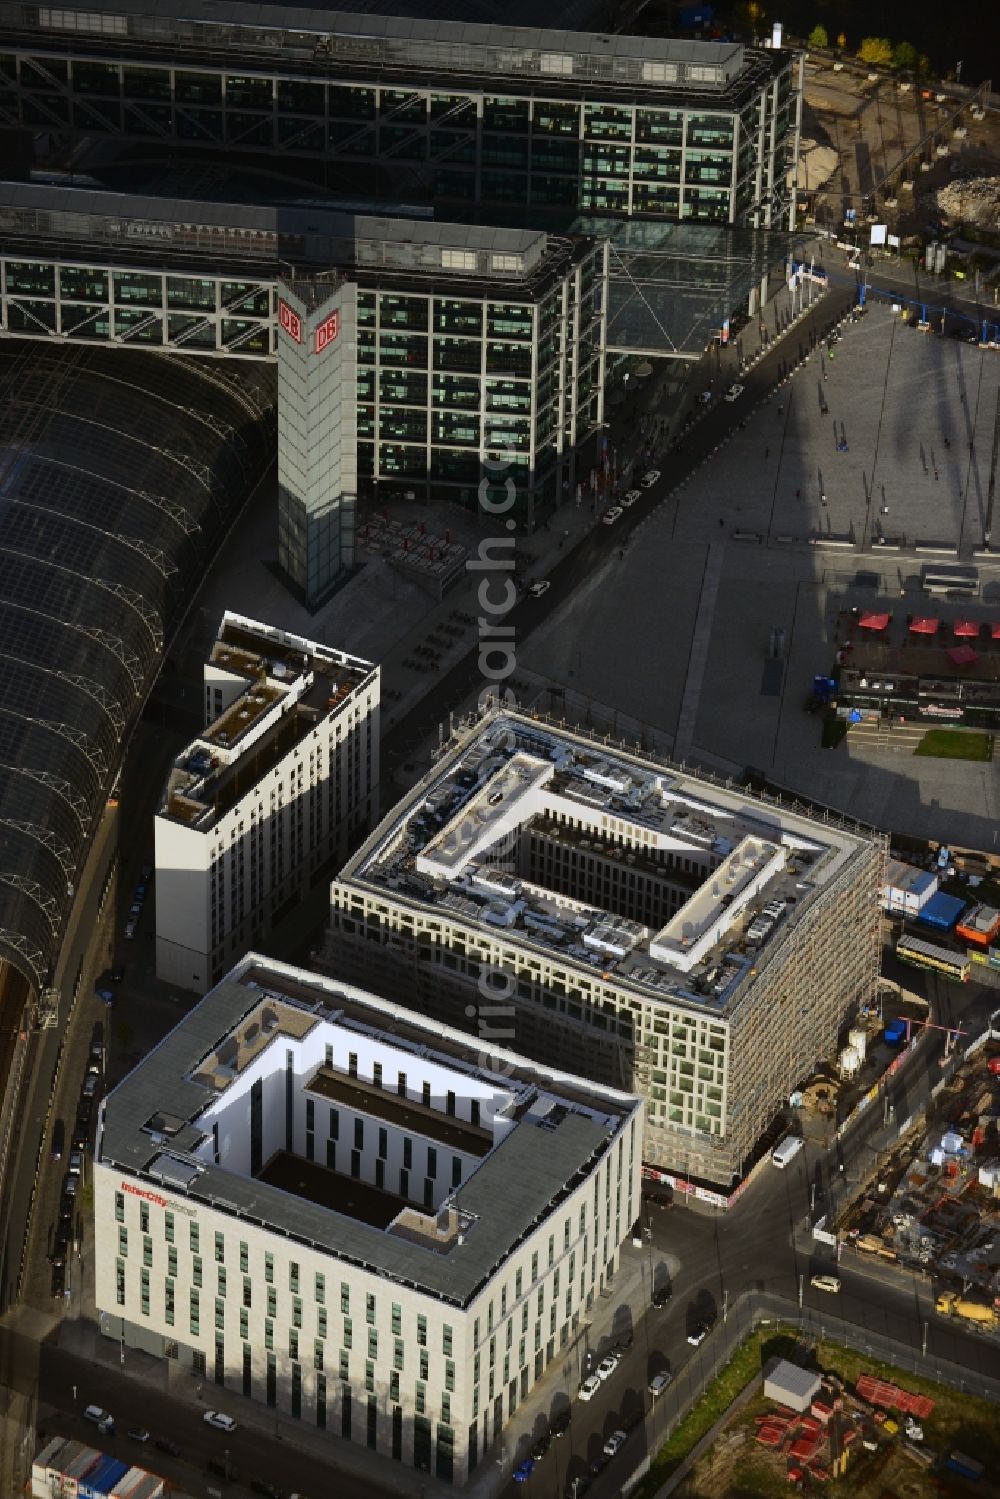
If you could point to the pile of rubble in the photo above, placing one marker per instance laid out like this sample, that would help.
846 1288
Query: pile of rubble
971 200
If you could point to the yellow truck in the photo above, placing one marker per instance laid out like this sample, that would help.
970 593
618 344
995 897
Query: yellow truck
950 1304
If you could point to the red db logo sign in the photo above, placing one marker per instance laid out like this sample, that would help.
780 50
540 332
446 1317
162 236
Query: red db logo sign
290 321
326 332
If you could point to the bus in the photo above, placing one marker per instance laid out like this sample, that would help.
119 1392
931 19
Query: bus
943 960
938 578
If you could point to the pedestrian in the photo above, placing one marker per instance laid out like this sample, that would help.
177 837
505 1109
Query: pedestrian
935 475
947 443
798 494
767 453
721 521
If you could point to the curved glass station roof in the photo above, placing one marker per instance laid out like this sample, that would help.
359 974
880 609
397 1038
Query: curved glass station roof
119 476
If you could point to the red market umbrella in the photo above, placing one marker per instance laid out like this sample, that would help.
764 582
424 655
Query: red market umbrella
995 630
924 626
963 655
969 627
873 621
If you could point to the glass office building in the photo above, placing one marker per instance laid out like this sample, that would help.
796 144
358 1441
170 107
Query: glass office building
507 120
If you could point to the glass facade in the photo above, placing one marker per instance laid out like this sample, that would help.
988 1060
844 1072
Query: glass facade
446 382
721 164
197 314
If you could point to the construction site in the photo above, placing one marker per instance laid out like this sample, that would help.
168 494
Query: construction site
827 1422
933 1206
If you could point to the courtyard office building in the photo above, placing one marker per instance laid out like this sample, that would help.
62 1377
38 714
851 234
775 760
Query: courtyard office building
282 781
365 1220
640 924
493 119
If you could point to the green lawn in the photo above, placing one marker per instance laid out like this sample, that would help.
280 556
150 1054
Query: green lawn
747 1361
956 744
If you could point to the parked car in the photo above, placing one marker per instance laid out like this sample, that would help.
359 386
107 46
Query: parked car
102 1419
75 1167
541 1445
139 893
733 393
59 1279
58 1140
106 996
537 589
632 1420
85 1110
629 498
129 930
607 1366
164 1444
89 1085
610 516
135 910
698 1336
659 1383
649 478
269 1490
147 873
559 1425
599 1463
705 397
826 1283
138 1434
616 1441
590 1387
118 973
578 1486
662 1296
219 1420
524 1470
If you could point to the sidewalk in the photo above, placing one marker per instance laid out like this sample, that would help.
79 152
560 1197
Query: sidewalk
609 1319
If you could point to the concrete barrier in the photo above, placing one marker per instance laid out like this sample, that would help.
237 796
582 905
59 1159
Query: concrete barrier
746 536
843 542
936 548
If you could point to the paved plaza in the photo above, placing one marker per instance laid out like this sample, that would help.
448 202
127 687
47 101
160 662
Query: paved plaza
679 634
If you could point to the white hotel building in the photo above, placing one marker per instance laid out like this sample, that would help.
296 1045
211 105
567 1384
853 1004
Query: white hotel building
283 777
322 1201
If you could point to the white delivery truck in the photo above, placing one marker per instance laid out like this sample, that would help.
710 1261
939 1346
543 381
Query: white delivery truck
786 1151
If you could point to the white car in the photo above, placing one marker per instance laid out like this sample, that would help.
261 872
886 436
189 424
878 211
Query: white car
630 497
102 1419
610 516
659 1383
649 479
589 1388
219 1420
607 1366
733 393
537 589
698 1337
826 1283
616 1441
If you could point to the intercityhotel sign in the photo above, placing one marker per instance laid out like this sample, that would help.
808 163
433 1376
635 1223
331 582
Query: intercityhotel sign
156 1198
323 335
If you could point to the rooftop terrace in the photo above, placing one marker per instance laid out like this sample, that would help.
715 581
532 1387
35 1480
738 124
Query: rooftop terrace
291 684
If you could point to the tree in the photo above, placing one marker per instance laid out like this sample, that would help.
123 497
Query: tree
818 38
923 65
876 51
904 55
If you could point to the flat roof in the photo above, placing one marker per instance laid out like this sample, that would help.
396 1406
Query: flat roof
515 1187
445 847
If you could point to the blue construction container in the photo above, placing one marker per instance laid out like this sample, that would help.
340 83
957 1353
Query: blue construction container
941 912
895 1031
102 1479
